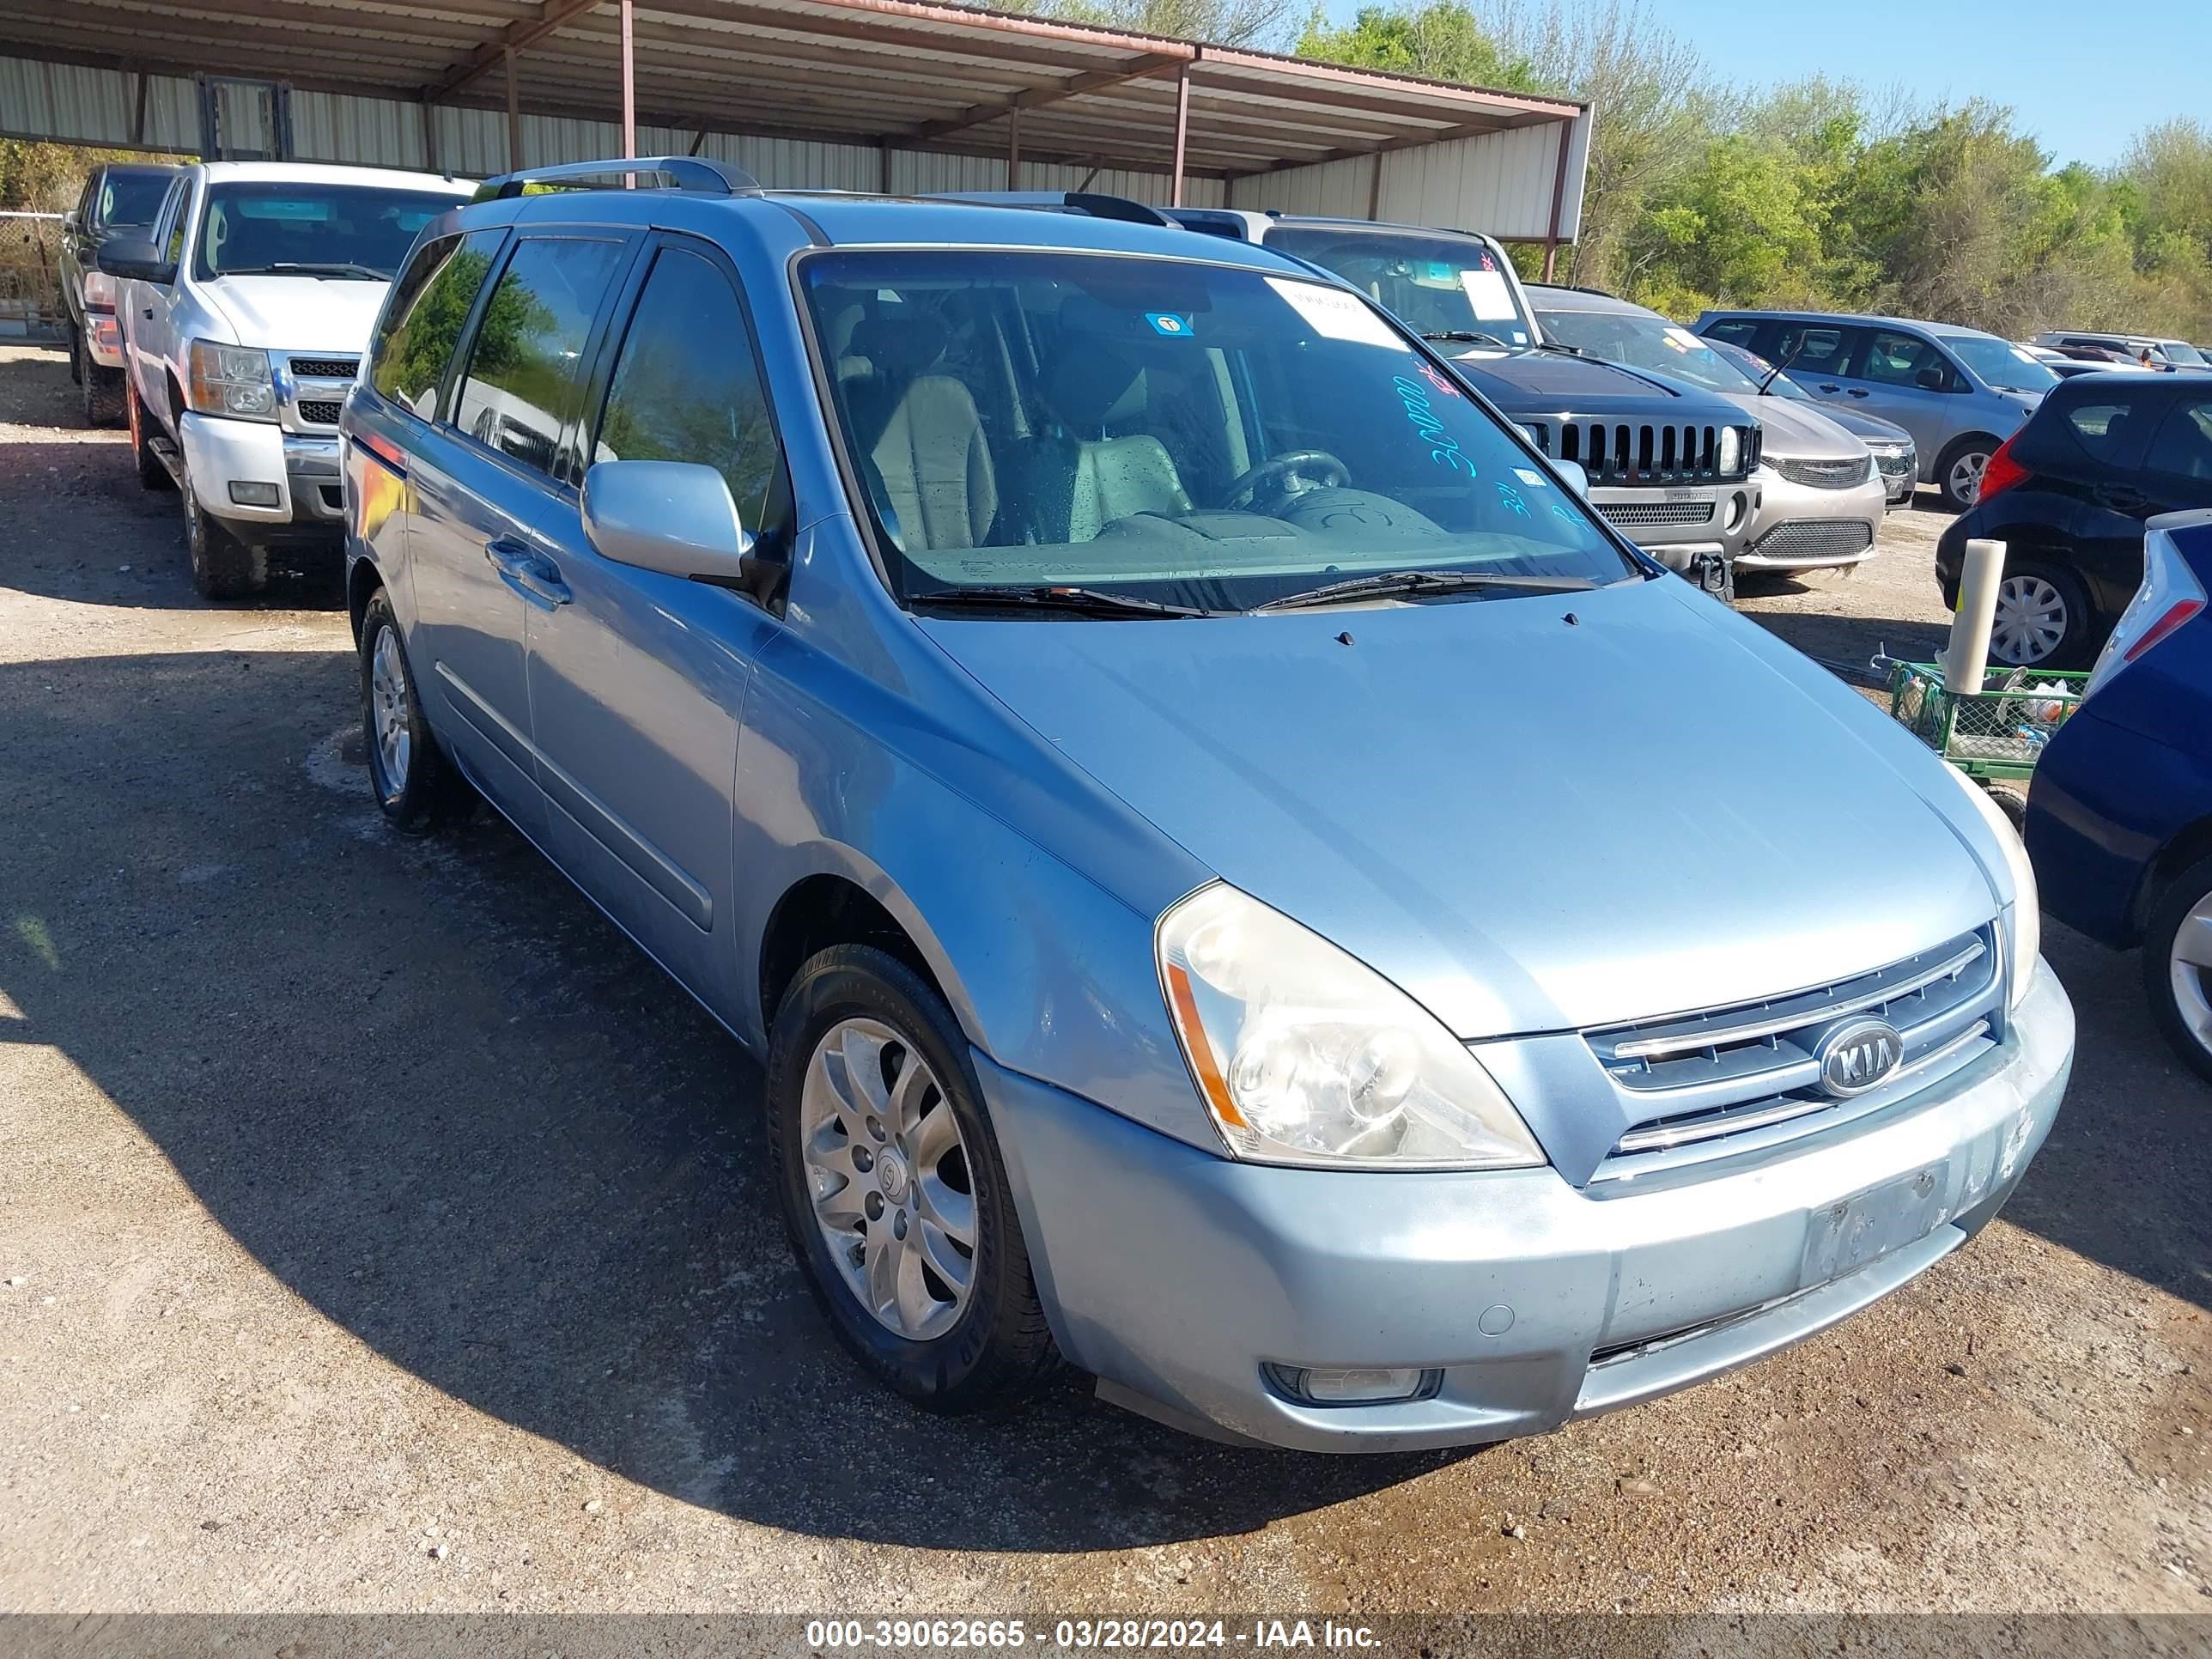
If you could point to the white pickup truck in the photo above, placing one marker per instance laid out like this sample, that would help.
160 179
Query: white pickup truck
245 315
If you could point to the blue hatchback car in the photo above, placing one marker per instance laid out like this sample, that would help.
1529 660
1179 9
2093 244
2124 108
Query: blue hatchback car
1194 813
2120 823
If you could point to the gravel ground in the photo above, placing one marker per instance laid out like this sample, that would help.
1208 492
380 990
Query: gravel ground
379 1230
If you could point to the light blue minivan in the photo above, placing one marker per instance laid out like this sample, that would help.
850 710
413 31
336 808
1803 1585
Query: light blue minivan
1199 821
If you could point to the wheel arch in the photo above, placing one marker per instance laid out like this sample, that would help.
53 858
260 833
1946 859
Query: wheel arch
2187 848
834 906
363 579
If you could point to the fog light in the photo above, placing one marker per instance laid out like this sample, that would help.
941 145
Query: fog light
254 494
1323 1385
1735 506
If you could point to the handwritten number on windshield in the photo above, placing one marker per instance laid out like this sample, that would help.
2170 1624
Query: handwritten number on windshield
1443 448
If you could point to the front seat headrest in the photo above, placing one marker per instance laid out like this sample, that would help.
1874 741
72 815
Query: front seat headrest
901 342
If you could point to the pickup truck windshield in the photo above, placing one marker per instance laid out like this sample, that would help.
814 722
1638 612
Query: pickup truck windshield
1438 284
1196 435
339 232
1652 343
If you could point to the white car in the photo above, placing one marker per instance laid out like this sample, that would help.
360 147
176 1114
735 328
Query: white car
244 316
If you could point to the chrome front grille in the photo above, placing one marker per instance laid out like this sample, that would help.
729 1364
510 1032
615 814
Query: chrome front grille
325 368
1644 452
1815 538
1826 474
1707 1084
1644 514
315 413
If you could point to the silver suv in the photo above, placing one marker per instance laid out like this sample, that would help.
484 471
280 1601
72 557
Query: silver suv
1959 392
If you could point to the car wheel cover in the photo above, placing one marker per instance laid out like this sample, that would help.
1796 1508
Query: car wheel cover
2031 620
2188 971
1967 476
888 1179
391 731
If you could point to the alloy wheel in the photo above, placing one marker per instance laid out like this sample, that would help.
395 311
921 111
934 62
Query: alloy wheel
888 1180
1965 478
2031 620
387 693
2189 967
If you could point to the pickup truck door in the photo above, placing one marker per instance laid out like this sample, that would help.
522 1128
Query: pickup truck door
148 309
493 513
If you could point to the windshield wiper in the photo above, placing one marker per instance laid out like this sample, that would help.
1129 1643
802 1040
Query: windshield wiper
294 268
1464 337
1386 582
1080 601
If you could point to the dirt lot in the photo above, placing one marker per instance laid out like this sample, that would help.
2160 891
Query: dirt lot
379 1230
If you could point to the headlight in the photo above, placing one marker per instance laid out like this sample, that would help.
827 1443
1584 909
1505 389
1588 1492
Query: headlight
1304 1055
2021 921
98 290
232 380
1731 449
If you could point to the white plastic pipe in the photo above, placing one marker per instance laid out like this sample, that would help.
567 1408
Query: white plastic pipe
1967 659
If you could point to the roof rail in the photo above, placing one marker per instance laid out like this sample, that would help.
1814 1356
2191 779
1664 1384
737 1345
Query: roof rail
688 172
1060 201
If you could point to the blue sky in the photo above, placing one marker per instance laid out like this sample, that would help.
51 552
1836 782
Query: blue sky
2084 77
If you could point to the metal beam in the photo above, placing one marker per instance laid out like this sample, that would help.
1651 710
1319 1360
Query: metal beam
1388 146
1559 199
1182 132
513 118
1038 97
628 79
551 14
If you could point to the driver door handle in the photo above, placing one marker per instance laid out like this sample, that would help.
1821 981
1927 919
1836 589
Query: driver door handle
528 572
1830 386
1858 391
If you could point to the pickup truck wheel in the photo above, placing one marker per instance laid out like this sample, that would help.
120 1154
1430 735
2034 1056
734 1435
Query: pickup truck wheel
2176 965
152 475
223 566
102 392
415 787
894 1193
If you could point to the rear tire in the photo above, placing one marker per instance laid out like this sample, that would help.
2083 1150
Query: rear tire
152 475
955 1327
1959 470
2043 619
223 566
2180 991
101 390
416 787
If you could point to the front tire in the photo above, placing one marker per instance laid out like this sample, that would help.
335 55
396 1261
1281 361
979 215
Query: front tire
223 566
2176 965
152 475
416 787
1959 472
894 1193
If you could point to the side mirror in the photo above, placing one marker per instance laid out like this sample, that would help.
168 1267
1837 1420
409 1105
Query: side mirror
1577 479
1929 379
134 258
676 518
69 222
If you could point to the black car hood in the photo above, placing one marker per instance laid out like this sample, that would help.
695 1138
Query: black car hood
1554 383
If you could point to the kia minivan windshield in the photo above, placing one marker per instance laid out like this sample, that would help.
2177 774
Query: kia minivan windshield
1147 436
361 232
1652 343
1999 363
1440 285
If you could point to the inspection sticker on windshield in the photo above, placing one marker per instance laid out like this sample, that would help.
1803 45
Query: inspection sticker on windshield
1529 476
1167 323
1681 339
1337 316
1488 293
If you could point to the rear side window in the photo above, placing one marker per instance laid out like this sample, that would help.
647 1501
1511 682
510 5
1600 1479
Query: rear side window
421 323
2184 444
1736 330
522 375
686 387
130 198
2100 428
1809 348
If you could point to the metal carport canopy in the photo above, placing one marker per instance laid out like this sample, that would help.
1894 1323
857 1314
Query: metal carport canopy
900 74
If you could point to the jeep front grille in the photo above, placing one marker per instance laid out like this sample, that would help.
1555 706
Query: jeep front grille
1644 515
1637 452
1708 1084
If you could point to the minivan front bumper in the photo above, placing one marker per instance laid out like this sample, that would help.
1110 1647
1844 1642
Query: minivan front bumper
1175 1275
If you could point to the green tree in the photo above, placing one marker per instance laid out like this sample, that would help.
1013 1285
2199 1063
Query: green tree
1443 40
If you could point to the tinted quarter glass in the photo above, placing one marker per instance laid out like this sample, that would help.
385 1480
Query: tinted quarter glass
1893 359
422 321
1736 330
686 387
522 373
2183 445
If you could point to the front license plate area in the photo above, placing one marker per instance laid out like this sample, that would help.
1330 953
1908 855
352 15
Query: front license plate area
1850 1233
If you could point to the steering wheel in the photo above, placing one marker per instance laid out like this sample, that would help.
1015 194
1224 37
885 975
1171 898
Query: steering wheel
1331 473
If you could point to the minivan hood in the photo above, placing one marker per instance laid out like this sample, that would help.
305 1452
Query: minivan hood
1797 432
1532 814
299 313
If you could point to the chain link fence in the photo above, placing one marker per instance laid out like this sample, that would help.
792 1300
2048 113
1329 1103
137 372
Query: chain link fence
30 277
